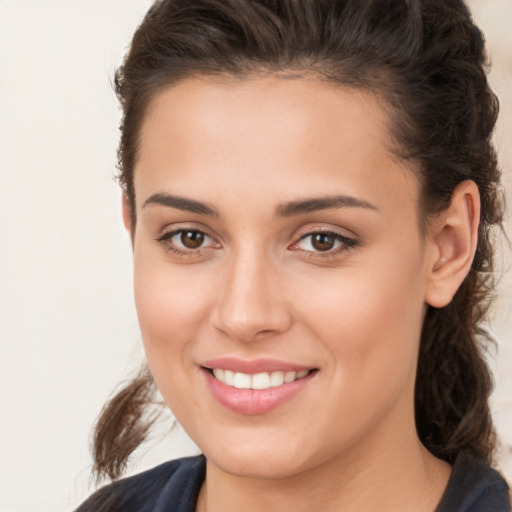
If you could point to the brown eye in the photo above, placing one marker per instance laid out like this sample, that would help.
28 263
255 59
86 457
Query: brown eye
187 241
323 241
192 239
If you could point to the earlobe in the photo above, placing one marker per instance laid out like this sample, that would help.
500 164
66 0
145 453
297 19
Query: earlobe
453 240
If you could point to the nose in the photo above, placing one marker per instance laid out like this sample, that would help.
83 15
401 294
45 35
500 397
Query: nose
251 304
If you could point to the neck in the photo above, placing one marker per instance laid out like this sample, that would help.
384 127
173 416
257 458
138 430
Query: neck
388 476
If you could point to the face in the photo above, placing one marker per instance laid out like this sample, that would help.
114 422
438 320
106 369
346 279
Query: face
279 271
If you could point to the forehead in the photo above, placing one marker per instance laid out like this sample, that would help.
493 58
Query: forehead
204 104
268 133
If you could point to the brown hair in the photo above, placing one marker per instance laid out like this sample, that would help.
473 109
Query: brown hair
426 61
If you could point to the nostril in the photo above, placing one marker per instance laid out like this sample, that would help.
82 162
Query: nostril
265 332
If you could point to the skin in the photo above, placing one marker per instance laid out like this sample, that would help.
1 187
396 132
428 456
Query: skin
258 288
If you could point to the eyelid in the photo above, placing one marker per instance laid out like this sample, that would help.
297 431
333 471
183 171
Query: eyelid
166 235
177 227
348 242
165 239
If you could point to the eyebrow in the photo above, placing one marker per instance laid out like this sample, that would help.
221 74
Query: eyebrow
321 203
288 209
181 203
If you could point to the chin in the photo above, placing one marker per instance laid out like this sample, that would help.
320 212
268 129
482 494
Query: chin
260 461
257 467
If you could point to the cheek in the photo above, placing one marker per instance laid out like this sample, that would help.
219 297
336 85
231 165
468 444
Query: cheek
370 320
170 305
372 335
171 311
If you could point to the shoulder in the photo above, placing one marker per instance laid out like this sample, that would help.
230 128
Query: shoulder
474 487
175 483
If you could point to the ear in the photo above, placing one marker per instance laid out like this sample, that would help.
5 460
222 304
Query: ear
453 241
127 214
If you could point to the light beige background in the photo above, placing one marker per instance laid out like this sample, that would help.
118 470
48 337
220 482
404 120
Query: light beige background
68 329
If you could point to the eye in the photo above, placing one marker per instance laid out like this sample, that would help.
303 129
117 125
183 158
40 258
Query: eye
189 239
185 241
324 241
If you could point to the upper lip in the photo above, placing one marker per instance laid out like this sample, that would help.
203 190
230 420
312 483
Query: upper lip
253 366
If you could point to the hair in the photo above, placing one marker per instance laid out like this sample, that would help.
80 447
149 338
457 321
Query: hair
426 61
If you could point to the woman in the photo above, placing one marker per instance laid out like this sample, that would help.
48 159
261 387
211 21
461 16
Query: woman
310 190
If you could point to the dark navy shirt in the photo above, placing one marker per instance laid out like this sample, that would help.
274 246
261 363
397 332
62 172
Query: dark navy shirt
174 487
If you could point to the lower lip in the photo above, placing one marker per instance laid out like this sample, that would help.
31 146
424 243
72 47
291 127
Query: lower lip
254 401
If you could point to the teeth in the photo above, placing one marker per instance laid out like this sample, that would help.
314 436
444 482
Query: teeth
242 381
260 381
290 376
263 380
229 378
276 379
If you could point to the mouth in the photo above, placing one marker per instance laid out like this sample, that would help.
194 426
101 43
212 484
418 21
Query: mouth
257 387
258 381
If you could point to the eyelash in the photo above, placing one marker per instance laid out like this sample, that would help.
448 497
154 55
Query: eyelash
166 240
346 243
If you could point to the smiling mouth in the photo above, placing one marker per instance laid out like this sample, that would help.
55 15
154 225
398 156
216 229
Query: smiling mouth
255 387
258 381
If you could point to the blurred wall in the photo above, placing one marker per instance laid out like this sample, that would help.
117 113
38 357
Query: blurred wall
68 329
